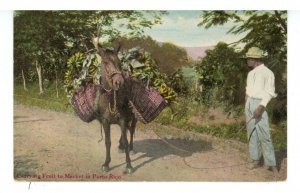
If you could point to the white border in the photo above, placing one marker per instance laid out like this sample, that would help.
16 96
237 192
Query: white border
6 134
6 100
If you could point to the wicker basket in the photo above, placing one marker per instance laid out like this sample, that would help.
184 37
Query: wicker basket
83 102
146 103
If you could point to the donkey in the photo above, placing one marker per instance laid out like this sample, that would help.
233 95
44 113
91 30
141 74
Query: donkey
113 105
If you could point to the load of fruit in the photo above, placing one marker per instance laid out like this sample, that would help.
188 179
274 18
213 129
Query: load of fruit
81 69
85 68
141 65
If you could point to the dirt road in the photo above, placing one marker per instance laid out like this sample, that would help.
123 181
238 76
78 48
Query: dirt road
54 146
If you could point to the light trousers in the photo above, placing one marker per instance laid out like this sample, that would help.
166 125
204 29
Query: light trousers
259 137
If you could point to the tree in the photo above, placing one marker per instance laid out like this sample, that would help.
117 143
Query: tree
222 75
265 29
178 82
172 57
36 36
48 38
168 56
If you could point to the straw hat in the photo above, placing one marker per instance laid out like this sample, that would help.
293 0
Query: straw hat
255 52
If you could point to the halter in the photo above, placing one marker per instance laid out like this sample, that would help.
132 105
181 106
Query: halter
109 77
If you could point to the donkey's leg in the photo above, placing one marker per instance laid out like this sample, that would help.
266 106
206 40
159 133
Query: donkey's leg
132 130
121 145
129 168
106 126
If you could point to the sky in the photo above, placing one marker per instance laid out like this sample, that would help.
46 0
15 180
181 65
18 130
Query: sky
180 28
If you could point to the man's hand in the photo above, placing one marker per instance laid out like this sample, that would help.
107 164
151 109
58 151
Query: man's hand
258 112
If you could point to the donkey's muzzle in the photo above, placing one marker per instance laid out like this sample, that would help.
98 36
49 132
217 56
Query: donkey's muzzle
117 81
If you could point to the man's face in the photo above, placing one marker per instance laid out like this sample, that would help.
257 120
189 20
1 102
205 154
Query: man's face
251 62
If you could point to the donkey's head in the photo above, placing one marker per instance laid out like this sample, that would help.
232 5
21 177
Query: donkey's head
111 69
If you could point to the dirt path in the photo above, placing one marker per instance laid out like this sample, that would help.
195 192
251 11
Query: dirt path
59 146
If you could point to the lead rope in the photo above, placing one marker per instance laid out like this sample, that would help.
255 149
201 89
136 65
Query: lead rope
171 145
186 151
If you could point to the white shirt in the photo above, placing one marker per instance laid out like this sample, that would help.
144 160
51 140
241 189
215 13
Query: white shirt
261 84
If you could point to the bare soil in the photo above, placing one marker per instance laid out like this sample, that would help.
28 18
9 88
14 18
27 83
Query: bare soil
55 146
216 116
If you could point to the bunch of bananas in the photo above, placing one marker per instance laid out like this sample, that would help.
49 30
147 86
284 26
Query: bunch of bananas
85 68
167 92
81 69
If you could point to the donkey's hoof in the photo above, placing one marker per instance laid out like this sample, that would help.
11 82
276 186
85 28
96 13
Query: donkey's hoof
105 168
128 170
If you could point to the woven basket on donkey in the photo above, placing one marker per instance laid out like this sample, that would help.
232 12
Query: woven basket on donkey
83 102
146 103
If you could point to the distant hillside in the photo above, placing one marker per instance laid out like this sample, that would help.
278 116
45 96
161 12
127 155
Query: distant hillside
197 52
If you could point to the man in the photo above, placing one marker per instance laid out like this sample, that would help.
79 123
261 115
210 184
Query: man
259 91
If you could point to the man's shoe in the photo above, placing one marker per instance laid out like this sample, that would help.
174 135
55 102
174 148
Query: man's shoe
254 164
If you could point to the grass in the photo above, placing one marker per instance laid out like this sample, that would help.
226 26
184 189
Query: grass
232 131
235 131
48 100
186 108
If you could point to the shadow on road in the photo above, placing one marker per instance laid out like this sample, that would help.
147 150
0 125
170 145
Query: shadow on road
157 148
24 167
